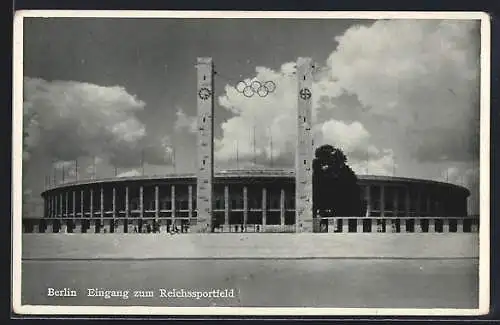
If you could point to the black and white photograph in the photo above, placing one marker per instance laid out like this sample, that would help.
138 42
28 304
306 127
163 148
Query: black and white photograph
251 163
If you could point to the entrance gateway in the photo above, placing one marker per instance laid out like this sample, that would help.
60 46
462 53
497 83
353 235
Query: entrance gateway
205 148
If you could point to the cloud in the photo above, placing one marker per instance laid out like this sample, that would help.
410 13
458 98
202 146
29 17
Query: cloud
420 74
264 128
396 88
65 120
348 137
184 122
129 173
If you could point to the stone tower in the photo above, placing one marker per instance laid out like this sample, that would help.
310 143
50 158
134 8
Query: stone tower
205 147
304 153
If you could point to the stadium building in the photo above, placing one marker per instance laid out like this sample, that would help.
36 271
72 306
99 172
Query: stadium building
246 200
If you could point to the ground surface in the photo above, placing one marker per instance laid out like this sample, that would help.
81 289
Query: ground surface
266 270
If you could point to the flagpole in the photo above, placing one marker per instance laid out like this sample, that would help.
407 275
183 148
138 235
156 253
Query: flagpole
62 173
237 156
76 169
367 159
254 145
54 174
271 145
142 162
173 160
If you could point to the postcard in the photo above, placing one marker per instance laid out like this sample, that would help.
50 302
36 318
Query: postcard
251 163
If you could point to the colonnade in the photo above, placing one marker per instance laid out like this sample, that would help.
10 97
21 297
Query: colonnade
57 205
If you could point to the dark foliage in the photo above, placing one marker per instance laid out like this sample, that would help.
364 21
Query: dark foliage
335 186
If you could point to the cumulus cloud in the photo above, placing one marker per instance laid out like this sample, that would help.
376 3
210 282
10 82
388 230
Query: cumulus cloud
264 128
129 173
185 122
65 120
422 75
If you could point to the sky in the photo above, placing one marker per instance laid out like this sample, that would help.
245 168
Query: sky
400 97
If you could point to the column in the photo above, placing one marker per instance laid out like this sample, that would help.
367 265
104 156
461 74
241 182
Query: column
245 206
91 203
282 207
396 202
402 225
127 211
359 225
82 212
446 225
382 201
172 202
50 226
190 201
264 207
45 207
51 206
226 206
407 202
418 224
157 202
368 196
205 137
345 225
460 225
432 225
419 198
66 212
141 201
74 204
102 203
305 152
114 202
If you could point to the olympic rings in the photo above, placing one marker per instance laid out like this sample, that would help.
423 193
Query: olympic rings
255 87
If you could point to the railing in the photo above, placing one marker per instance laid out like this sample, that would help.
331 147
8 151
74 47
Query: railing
320 225
396 225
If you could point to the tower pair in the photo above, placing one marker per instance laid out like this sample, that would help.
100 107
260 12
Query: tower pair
205 148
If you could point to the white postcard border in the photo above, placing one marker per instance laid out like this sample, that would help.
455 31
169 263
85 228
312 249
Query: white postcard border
17 119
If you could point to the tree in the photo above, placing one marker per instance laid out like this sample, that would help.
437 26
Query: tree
335 185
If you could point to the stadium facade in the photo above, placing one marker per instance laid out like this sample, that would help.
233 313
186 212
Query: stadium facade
246 200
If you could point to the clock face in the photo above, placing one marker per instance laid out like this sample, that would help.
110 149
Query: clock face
204 93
